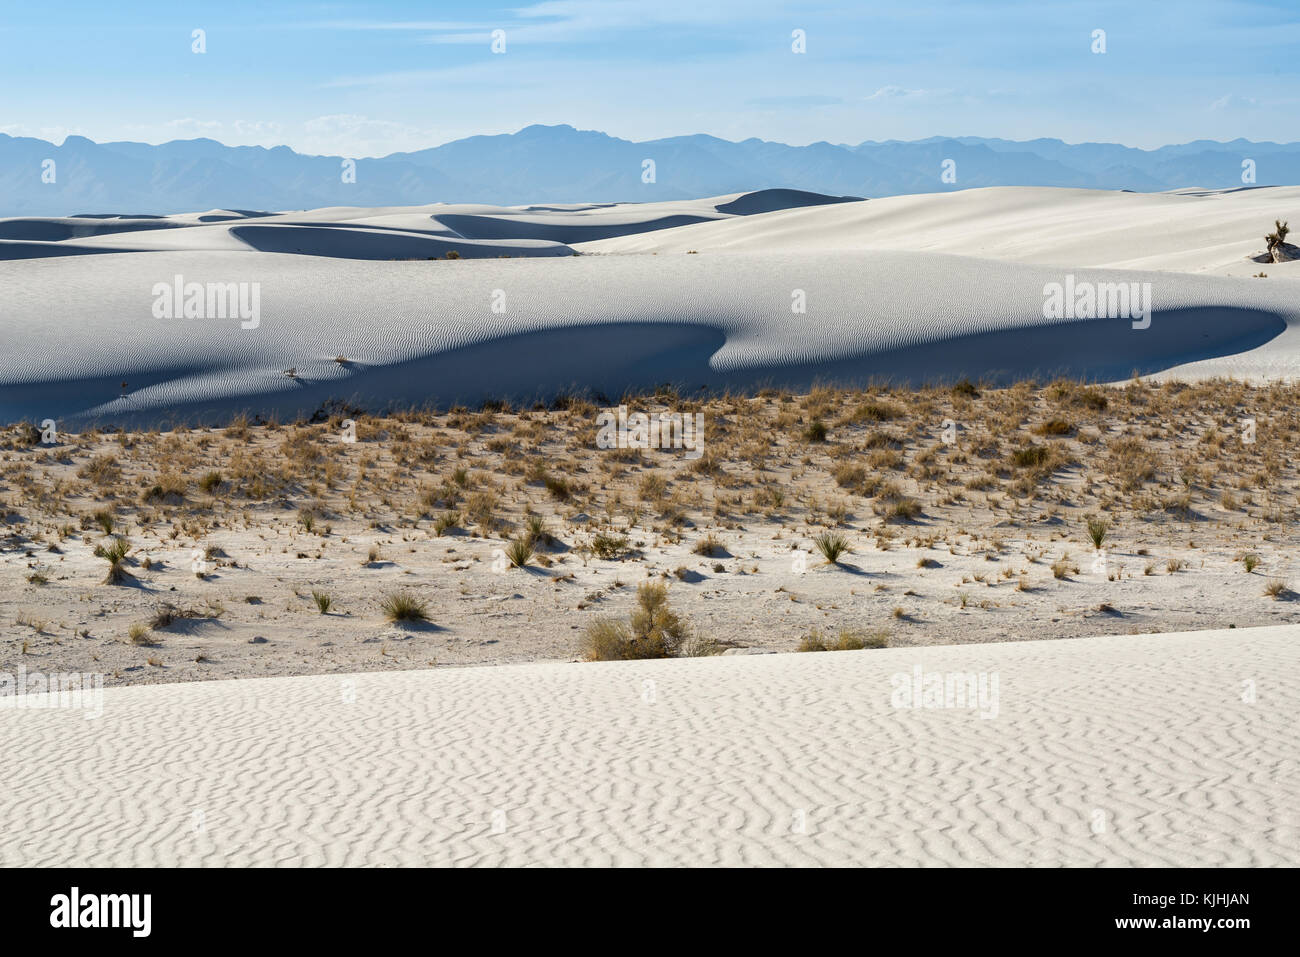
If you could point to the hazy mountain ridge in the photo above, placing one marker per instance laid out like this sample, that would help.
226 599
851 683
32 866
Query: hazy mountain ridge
559 164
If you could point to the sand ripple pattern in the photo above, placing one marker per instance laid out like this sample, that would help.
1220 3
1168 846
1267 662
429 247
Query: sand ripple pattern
78 327
1121 750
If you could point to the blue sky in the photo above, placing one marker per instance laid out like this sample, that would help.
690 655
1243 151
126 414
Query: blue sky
364 79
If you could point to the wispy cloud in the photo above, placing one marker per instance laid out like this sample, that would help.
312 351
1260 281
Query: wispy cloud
902 93
1232 101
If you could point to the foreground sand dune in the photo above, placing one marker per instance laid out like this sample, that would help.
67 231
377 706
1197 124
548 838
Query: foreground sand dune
1176 749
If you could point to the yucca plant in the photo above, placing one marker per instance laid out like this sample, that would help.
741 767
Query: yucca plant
114 553
519 551
832 545
1097 528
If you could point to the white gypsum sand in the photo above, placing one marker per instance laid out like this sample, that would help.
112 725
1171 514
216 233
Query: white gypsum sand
884 296
1162 750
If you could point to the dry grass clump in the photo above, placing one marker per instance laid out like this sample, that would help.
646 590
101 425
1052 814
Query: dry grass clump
848 639
1129 462
710 547
1063 568
652 631
1277 589
404 606
609 547
816 431
875 410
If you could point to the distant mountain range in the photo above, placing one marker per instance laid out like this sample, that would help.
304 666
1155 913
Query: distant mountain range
559 164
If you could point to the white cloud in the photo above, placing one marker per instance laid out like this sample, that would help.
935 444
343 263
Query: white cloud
1234 102
897 93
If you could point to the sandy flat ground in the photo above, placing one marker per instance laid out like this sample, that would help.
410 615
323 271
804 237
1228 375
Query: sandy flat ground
241 532
1176 749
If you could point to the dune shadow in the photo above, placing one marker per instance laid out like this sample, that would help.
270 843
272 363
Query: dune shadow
1099 350
595 360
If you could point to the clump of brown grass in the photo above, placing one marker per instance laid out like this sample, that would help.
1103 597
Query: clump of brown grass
848 639
652 631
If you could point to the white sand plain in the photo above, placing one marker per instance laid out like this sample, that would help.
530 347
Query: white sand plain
1173 749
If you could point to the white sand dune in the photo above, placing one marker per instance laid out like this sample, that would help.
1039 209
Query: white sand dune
1145 750
883 301
1199 231
412 232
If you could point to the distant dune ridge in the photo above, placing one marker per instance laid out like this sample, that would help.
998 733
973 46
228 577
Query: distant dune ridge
774 287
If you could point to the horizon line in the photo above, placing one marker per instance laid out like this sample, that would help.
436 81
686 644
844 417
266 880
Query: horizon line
658 139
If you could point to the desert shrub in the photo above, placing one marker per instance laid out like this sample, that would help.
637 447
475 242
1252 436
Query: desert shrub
709 546
607 546
652 487
105 520
519 551
480 508
652 631
875 411
558 487
848 639
1064 568
849 476
114 552
404 606
832 545
102 470
1278 236
1055 427
1031 456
